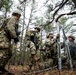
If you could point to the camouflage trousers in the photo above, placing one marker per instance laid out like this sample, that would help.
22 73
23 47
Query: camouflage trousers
5 55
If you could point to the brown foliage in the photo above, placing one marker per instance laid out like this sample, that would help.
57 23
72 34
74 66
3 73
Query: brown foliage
20 70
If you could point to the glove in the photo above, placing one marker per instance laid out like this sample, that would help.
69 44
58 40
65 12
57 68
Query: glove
16 40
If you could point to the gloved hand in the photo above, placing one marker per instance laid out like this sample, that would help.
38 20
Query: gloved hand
16 40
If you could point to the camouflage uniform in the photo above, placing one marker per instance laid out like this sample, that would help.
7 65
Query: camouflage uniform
38 45
32 43
30 47
72 47
50 50
47 58
5 41
37 30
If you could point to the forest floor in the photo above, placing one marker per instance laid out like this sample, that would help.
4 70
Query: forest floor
24 70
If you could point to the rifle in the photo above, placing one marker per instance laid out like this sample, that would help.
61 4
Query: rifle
67 48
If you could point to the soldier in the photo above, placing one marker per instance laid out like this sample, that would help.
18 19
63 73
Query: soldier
33 35
8 32
72 46
50 42
32 46
51 50
32 42
37 30
38 42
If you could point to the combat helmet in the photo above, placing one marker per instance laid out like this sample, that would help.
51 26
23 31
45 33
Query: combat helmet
16 12
70 36
38 28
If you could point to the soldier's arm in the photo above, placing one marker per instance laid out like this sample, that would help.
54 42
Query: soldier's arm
11 27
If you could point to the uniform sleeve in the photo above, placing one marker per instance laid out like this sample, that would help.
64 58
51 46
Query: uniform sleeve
11 27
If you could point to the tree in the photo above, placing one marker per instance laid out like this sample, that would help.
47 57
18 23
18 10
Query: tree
5 6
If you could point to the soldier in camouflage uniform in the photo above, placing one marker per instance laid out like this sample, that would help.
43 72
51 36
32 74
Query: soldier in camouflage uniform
30 47
48 52
51 49
7 33
38 42
32 42
50 43
72 47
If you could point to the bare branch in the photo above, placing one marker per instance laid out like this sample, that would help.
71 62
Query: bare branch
70 13
61 5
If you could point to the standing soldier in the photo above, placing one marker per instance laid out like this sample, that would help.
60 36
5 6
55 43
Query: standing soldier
8 31
32 44
30 47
